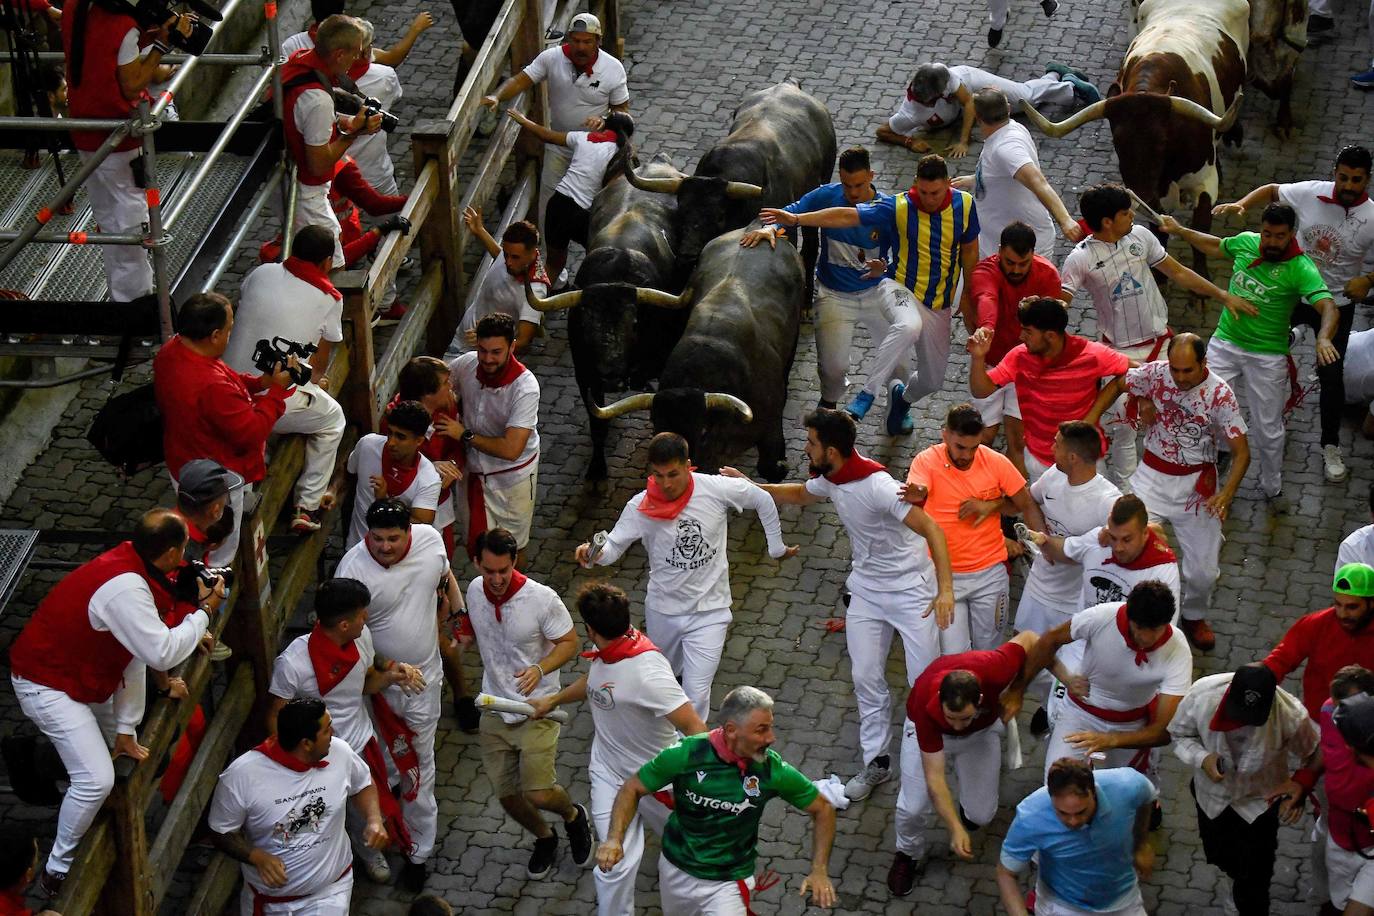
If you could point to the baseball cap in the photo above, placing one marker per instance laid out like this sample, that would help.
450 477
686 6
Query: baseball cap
1354 579
1250 696
1354 719
585 22
202 480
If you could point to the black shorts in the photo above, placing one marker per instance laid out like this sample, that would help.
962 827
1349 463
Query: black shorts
565 221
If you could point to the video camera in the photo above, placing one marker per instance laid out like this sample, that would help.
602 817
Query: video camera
151 14
268 353
194 574
350 103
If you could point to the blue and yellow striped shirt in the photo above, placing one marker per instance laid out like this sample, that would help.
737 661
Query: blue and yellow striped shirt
926 244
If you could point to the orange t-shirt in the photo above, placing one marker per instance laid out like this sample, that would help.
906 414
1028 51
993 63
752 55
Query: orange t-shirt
973 547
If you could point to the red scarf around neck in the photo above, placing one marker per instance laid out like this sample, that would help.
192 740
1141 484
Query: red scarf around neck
1142 653
398 477
1156 553
360 66
628 646
310 273
855 467
567 52
1289 253
502 377
656 505
717 738
1332 199
331 661
273 752
517 582
914 199
1220 722
602 136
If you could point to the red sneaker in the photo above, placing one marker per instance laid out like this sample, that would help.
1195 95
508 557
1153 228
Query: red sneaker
391 316
1199 633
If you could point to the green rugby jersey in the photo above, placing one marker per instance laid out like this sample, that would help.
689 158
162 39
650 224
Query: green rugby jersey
1274 287
713 831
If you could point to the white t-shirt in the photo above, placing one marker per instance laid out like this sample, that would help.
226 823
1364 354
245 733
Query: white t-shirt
128 49
369 150
293 44
912 116
629 701
314 116
275 303
1336 239
490 412
403 613
1130 307
1068 511
366 463
1106 582
293 675
296 816
529 624
1002 199
574 96
1115 681
1191 423
887 555
504 293
1358 547
587 170
688 570
1359 368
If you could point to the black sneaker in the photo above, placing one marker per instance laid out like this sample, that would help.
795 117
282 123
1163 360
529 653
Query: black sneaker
50 884
1050 7
544 855
469 719
413 877
994 37
1040 723
901 877
969 825
579 833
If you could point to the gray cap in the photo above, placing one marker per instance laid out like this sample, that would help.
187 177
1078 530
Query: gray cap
929 81
585 22
1354 719
202 480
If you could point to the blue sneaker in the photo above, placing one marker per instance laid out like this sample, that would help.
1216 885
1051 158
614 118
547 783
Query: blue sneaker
899 422
858 408
1363 80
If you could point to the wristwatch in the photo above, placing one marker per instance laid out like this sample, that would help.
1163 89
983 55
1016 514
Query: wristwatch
467 436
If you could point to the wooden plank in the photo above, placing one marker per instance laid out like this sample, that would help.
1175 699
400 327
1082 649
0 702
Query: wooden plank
90 870
487 179
357 392
491 60
394 248
130 888
216 886
405 343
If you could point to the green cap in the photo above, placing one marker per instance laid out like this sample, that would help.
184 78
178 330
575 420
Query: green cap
1354 579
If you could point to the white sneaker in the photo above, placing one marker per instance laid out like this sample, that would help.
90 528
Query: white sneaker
862 785
375 865
1335 467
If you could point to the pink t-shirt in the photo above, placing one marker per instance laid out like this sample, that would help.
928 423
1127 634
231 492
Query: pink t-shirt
1054 392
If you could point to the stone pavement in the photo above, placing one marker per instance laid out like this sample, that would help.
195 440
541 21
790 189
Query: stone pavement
689 62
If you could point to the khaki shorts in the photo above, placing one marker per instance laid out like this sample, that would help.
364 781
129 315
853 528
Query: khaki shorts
518 758
512 507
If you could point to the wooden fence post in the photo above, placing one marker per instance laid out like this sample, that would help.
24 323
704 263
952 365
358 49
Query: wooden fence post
249 631
439 234
130 888
525 47
356 398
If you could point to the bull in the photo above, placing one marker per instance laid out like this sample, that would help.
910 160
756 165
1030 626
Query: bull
724 386
1178 87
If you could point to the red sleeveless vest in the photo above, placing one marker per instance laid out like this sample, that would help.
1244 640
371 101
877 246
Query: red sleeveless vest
300 64
97 94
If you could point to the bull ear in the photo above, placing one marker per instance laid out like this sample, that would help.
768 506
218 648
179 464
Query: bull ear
729 401
1114 90
552 303
623 406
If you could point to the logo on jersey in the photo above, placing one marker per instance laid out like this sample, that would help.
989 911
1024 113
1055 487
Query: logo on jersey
307 820
1247 285
1135 249
716 804
751 786
1323 243
701 776
1128 285
1108 591
604 696
691 550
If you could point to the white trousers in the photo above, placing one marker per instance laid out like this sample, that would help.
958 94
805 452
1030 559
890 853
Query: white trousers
684 895
1350 874
1122 456
615 890
932 349
1035 468
119 207
1198 531
999 405
421 713
1262 380
977 760
692 643
554 167
77 735
1043 90
313 209
871 620
311 412
893 323
1069 718
981 600
1038 616
328 901
1046 904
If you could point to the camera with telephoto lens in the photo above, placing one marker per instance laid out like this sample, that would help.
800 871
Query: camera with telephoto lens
269 353
151 14
349 103
194 574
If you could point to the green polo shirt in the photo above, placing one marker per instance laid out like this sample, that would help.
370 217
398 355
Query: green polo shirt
1273 287
713 832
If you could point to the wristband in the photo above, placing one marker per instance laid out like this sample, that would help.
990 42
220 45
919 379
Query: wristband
1306 777
542 672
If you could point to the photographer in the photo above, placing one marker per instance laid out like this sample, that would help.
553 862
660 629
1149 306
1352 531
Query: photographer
88 643
211 411
106 75
295 302
203 492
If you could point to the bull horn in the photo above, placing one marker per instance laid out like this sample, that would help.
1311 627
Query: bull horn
647 296
1074 121
738 190
657 185
552 303
623 406
1187 108
715 399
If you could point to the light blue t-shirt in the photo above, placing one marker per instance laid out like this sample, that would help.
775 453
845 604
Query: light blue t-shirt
1093 867
841 265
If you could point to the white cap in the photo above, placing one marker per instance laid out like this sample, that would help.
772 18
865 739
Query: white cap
585 22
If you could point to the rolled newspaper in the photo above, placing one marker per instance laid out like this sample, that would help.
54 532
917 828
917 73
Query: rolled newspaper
501 704
1023 534
598 544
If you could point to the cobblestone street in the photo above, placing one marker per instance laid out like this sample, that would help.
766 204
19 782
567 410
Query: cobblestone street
689 62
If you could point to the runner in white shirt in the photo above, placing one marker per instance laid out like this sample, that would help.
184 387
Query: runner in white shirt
638 709
1359 376
322 9
899 580
1194 411
407 574
392 466
515 262
279 810
683 518
375 81
1117 660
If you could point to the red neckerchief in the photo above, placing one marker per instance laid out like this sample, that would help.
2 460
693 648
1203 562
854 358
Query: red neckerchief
12 903
399 740
1289 253
517 582
273 752
628 646
435 447
602 136
1155 553
656 505
311 273
504 376
717 739
360 66
535 273
398 477
855 467
567 52
1332 200
1142 653
914 200
331 661
1220 722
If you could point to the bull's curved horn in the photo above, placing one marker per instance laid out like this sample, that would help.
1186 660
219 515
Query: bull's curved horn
1189 109
646 296
657 185
552 303
623 406
716 399
1076 120
739 190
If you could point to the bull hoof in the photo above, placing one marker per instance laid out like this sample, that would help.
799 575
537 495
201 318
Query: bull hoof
775 472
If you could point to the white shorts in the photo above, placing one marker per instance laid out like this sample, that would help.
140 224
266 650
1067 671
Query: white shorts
512 507
684 895
331 900
1349 875
1001 403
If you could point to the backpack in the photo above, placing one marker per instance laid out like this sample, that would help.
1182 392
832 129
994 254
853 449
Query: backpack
127 431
